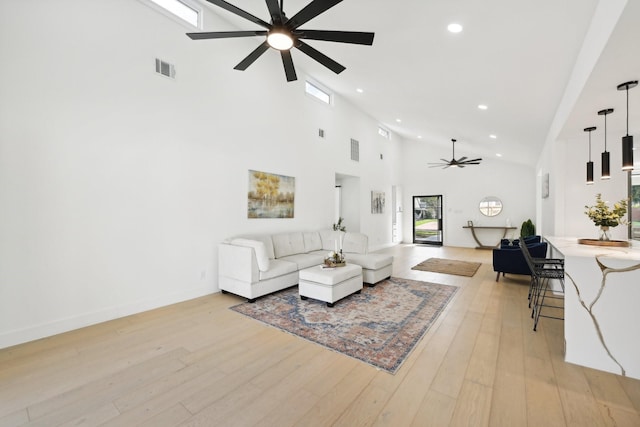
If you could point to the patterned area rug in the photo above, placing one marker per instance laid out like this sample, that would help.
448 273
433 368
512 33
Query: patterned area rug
379 326
449 266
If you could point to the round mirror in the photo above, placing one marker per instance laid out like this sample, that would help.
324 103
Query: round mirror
490 206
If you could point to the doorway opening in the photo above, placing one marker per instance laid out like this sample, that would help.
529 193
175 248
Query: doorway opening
427 220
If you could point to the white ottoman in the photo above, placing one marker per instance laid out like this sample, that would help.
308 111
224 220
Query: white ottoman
330 285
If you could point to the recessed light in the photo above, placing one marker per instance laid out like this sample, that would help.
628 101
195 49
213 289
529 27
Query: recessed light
420 137
498 155
482 107
454 28
399 120
359 90
492 136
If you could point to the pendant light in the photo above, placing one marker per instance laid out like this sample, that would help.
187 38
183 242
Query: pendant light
605 154
627 141
590 163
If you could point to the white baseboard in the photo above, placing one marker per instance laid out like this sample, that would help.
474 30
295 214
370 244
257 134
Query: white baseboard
48 329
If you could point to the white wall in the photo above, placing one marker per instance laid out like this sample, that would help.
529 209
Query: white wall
462 190
117 184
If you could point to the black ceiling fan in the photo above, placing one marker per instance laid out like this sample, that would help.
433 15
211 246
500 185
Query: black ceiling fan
459 163
284 33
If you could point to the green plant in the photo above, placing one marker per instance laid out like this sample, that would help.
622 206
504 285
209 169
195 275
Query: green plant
527 229
601 215
338 226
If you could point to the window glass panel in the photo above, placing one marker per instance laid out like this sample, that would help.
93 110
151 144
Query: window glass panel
181 10
318 93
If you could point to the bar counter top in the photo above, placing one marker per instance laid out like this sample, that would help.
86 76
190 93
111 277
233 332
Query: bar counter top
602 293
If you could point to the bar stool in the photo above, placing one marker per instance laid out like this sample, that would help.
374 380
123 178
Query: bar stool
542 271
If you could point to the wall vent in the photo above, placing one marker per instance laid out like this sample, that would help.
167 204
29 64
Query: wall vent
355 150
166 69
321 133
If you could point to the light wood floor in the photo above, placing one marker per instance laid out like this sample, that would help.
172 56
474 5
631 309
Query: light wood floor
198 363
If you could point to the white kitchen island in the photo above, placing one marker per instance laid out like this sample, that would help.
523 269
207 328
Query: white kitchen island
602 305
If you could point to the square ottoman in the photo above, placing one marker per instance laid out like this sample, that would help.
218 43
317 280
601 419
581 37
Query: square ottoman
330 284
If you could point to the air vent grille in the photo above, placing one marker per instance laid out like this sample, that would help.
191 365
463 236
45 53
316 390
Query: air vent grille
165 68
355 150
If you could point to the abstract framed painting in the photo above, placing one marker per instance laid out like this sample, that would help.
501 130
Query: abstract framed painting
377 202
270 195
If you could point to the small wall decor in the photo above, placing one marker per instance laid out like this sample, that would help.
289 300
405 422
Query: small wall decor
545 185
270 195
377 202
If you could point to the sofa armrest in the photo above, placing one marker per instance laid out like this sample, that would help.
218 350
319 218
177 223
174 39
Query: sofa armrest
238 262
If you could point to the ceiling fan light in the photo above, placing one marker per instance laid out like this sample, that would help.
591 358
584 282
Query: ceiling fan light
280 40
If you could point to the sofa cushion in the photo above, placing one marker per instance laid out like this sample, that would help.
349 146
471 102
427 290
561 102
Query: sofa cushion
266 239
355 242
305 260
259 249
278 268
285 244
330 239
312 241
369 261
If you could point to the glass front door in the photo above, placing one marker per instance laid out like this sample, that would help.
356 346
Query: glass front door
427 220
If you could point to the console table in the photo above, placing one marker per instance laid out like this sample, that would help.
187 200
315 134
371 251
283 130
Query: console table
482 246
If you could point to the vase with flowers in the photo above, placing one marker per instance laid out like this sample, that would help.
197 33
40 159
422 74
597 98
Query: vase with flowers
334 259
605 217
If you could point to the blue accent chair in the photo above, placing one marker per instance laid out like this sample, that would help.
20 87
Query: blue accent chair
528 240
510 259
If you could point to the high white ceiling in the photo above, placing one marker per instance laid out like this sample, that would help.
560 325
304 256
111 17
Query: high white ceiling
516 57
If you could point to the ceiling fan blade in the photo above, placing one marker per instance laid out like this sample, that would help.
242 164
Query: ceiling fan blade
320 57
225 34
474 160
355 37
289 69
461 159
250 59
310 11
275 12
236 10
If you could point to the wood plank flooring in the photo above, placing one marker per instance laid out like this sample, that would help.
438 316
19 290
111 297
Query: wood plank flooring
199 364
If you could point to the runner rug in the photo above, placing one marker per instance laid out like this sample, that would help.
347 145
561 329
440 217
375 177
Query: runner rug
449 266
379 326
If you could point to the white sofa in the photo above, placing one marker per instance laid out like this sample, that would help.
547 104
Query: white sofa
256 265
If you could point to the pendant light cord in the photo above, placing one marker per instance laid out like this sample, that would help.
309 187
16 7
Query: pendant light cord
605 131
627 110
